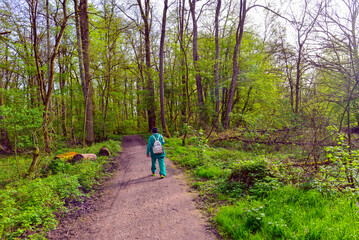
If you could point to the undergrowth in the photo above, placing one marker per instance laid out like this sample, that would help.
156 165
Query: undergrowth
28 208
255 193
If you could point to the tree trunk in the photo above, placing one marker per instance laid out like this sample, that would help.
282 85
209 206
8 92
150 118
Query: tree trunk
236 56
186 103
87 85
151 111
33 163
216 77
46 88
162 43
192 4
79 44
63 101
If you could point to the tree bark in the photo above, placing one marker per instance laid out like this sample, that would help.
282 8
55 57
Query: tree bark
192 4
46 88
216 77
33 163
89 156
236 63
186 103
151 110
161 56
87 84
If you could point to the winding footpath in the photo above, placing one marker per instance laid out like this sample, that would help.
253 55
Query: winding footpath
137 205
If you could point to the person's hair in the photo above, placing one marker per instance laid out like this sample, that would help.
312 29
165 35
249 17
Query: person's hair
155 130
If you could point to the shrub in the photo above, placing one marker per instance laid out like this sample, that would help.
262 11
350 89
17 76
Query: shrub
57 165
248 172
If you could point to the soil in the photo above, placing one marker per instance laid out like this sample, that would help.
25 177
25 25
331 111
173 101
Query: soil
136 205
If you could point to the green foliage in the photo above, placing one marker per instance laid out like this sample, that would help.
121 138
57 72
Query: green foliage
20 119
291 213
248 172
344 165
199 140
89 173
8 168
264 197
28 207
58 165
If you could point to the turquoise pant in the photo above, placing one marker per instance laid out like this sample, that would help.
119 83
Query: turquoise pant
161 162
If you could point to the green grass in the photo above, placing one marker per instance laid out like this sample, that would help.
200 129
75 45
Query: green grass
255 195
291 213
209 172
28 208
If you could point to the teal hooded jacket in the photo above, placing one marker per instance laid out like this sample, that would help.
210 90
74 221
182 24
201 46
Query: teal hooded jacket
151 141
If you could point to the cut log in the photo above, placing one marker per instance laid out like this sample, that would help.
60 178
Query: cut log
89 156
66 157
104 152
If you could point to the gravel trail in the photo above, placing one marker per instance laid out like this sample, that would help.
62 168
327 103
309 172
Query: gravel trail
137 205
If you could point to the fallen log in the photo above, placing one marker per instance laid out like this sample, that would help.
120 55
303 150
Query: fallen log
323 144
78 157
66 157
104 152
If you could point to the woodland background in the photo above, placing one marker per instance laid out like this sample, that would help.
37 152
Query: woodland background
258 101
79 71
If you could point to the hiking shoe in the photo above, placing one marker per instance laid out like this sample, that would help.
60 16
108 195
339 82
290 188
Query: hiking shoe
153 174
162 176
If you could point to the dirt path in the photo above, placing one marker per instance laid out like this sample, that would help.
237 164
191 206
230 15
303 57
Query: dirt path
136 205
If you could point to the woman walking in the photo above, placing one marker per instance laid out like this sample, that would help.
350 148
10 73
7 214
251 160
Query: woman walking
155 147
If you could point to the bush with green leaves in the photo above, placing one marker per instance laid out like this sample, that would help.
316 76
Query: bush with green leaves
343 169
246 173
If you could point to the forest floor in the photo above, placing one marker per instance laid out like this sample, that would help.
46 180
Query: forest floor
136 205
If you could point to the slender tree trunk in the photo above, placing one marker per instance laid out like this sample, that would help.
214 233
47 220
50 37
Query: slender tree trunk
62 101
46 88
186 104
79 45
162 43
216 77
151 111
192 4
236 56
110 48
298 78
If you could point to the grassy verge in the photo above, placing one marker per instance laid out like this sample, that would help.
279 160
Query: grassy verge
28 207
254 195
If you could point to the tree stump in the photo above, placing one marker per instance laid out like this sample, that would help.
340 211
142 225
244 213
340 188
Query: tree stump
78 157
104 152
33 163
